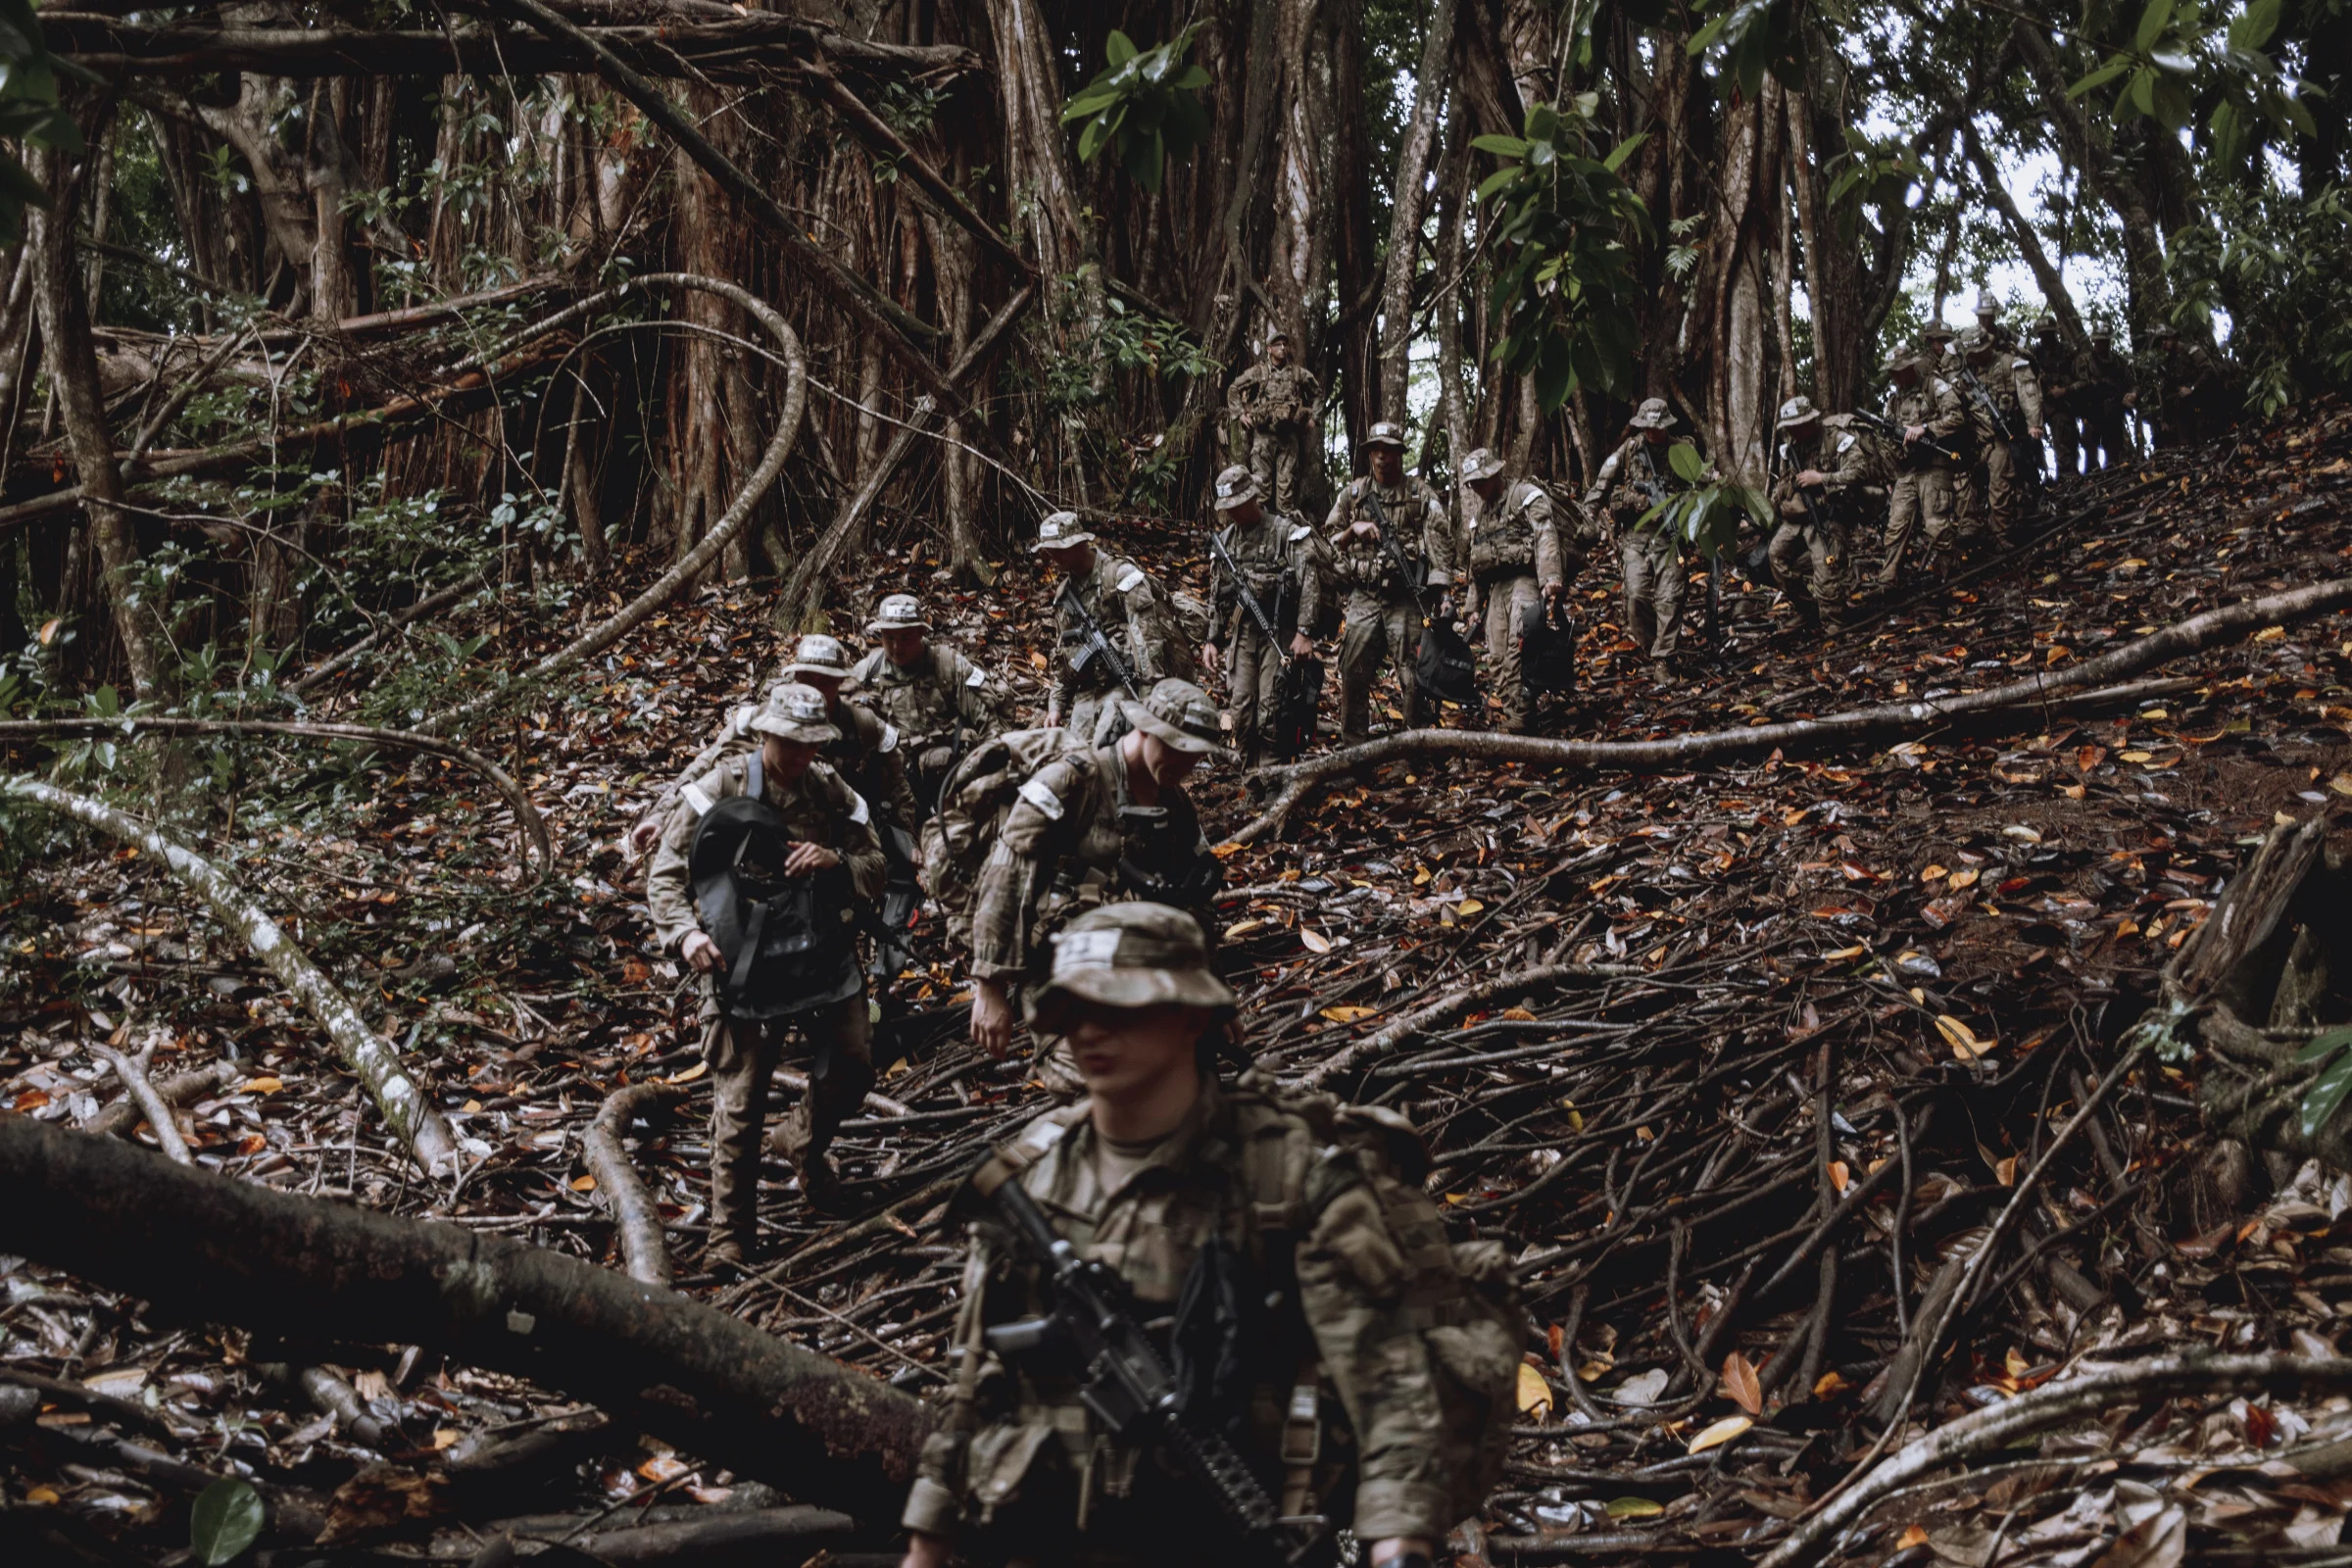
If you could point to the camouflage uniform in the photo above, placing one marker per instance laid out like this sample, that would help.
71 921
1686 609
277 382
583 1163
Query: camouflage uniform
1337 1398
2191 395
1135 619
1383 615
1276 405
1281 561
2104 379
2008 382
940 702
1922 484
1812 550
2061 397
743 1053
1652 559
1513 546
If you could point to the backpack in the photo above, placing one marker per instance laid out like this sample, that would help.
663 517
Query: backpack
1548 650
789 942
1878 467
1445 668
1298 696
972 804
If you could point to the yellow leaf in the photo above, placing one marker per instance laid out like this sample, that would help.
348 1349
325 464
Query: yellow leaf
2341 783
39 1493
583 1184
1964 879
1242 928
2017 1364
1036 660
1966 1047
2005 1172
2270 634
1519 1014
1933 873
1468 906
1916 1535
897 1067
1316 940
689 1075
1576 1117
1840 1177
1854 951
1228 850
1721 1432
1634 1508
1829 1383
1534 1395
260 1086
445 1437
2135 757
1422 878
1347 1015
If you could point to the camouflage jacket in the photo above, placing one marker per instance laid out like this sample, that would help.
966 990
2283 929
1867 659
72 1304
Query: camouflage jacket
1135 619
1061 851
929 698
1285 395
1845 463
1622 484
1934 405
868 758
2101 378
1281 562
1340 1359
1417 519
1514 535
819 809
2010 382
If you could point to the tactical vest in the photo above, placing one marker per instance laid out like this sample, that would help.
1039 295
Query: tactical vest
1503 542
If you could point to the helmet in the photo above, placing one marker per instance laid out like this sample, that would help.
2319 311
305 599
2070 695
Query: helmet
819 654
2102 334
1061 530
1236 486
1481 464
1652 414
1179 713
2046 325
1796 412
898 612
1387 433
796 713
1134 956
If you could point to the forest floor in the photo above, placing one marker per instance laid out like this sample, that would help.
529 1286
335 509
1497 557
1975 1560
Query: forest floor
1799 1028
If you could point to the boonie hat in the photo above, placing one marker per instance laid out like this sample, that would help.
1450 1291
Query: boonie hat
2046 325
1798 411
1134 956
1937 331
2102 334
1898 361
1481 464
1178 712
1976 341
898 612
1061 530
1387 433
1278 335
819 654
796 713
1236 486
1652 414
1986 304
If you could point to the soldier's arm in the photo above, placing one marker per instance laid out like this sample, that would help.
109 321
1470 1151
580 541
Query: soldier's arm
2029 389
1227 600
1309 559
1849 462
979 700
669 895
890 772
1148 629
1442 544
856 841
1951 416
1237 393
1606 477
1036 833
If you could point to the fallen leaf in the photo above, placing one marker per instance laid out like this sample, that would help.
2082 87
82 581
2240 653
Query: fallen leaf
2005 1172
1316 940
2022 833
1468 908
1534 1395
1519 1015
1840 1177
2160 1540
1242 928
1963 879
1933 873
1721 1432
1916 1535
1829 1384
1740 1385
1641 1389
583 1184
260 1086
37 1494
1966 1047
689 1075
1349 1014
1634 1508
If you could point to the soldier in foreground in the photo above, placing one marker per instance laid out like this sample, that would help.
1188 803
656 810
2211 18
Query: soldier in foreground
1274 402
1281 565
828 831
1632 480
1117 637
1517 568
1384 578
1322 1389
940 701
2004 405
1815 497
1934 428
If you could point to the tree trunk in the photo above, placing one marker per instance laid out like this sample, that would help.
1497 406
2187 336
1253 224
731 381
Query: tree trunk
1409 206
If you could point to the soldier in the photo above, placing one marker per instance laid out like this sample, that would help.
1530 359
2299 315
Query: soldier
1087 827
1516 569
1332 1387
1632 480
1274 401
1989 320
2004 405
1129 609
2190 382
1933 424
1819 489
2107 397
2061 396
831 827
1384 607
940 700
1280 561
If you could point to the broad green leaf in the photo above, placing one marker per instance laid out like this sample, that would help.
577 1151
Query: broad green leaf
1624 150
2327 1043
2254 29
1501 146
2142 94
2325 1095
1118 48
2151 24
225 1519
1688 465
2102 77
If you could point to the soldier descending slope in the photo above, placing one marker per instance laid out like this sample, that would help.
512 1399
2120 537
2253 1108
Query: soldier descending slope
1632 480
1516 567
1815 497
1931 427
942 703
2061 396
2004 405
1282 568
2108 398
1332 1364
1274 402
1384 598
1116 634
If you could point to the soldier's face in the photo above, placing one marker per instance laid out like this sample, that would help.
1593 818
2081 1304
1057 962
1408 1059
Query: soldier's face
830 685
1277 353
1244 515
1489 488
903 645
1072 562
785 760
1386 464
1166 764
1131 1054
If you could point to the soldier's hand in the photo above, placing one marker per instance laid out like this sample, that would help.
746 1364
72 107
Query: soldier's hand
925 1550
1364 527
804 859
992 1019
1301 647
2034 430
1912 432
1553 591
1810 477
700 951
642 837
1209 658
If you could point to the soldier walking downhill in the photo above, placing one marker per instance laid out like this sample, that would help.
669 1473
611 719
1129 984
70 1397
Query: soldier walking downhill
1127 606
1818 490
1632 480
1282 566
1517 567
2061 396
2001 390
829 828
1384 605
2108 397
1934 426
1274 402
940 701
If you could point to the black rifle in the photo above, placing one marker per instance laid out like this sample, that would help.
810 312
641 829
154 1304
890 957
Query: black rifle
901 896
2025 454
1918 451
1300 690
1127 1383
1097 645
1446 666
2000 422
1654 488
1240 585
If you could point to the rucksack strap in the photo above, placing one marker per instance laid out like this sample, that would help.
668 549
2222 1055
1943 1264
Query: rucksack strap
755 775
748 954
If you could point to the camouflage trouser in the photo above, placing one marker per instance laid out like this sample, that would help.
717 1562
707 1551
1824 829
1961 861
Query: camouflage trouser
1809 562
744 1055
1377 633
2005 489
2106 430
1653 589
1254 683
1274 462
1922 501
2058 429
1511 602
1098 717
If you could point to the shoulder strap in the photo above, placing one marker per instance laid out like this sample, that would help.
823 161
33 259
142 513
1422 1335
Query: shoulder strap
755 775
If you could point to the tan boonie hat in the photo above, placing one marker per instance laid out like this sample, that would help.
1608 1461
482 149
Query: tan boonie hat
1898 361
1236 486
797 713
1134 956
1481 464
819 654
1178 712
1652 414
1061 530
1798 411
1387 433
898 612
1976 341
1986 304
1937 331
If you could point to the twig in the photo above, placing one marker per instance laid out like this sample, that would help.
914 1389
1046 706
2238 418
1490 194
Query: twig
133 1074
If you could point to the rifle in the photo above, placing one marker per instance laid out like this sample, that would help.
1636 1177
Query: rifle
901 895
1917 451
1127 1383
1240 585
1097 645
1654 488
1445 668
2000 422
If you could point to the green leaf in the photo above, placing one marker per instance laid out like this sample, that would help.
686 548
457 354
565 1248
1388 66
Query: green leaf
2151 24
2327 1043
224 1521
1624 150
1513 147
2254 29
2102 77
1497 182
1118 48
2325 1095
1686 462
2142 94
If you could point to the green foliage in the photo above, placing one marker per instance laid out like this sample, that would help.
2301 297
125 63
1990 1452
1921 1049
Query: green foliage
2282 268
29 113
1704 516
1754 36
225 1520
2180 54
1563 273
1147 106
2326 1093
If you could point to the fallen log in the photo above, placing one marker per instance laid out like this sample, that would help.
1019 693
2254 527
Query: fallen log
366 1054
199 1246
643 1252
2071 685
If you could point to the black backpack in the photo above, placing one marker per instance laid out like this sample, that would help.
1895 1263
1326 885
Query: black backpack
1548 650
789 942
1296 696
1447 668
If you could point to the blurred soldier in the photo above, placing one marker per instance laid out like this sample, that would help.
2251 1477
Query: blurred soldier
2004 405
1118 597
1632 480
1092 827
1382 603
2107 397
940 701
2060 376
1989 320
1819 488
1516 567
829 830
1934 428
2192 392
1282 566
1275 401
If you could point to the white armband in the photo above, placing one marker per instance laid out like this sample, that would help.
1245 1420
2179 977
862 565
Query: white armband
696 798
858 814
1130 579
1040 795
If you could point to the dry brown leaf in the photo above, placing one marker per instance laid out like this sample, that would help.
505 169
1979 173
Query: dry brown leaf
1721 1432
1740 1385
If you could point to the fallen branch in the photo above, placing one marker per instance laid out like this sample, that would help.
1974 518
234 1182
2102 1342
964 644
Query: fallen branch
432 604
365 1054
133 1071
204 1247
119 1119
527 819
643 1250
1392 1035
2190 636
